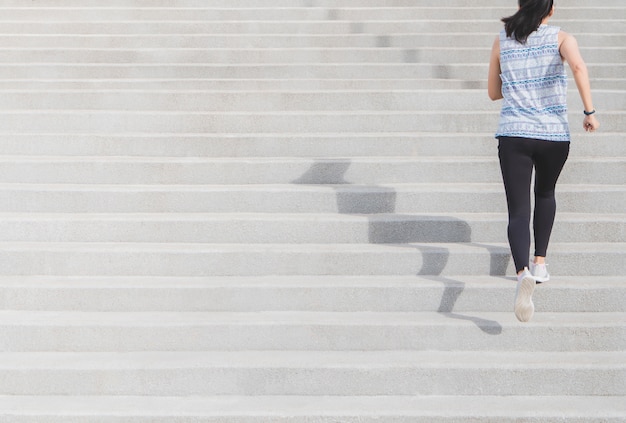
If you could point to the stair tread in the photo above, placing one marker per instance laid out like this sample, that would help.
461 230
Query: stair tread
279 159
409 248
290 217
301 318
398 187
298 282
232 408
312 359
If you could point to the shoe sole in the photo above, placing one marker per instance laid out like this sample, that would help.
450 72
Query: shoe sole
524 307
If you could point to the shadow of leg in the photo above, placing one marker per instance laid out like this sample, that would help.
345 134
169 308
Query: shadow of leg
387 227
451 293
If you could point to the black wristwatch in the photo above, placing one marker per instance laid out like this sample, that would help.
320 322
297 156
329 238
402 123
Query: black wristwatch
589 113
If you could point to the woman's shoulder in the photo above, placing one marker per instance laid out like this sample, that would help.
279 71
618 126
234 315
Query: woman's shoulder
550 29
567 39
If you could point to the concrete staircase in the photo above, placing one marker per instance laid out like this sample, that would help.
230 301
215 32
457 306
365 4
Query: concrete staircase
291 211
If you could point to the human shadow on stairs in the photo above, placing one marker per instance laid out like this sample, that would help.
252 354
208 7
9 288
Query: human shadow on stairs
420 232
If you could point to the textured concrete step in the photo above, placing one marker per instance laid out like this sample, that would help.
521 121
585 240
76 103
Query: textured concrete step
99 121
410 40
294 228
294 26
322 409
278 170
34 121
180 259
308 373
446 70
212 14
453 294
280 3
198 84
446 100
193 85
262 100
274 55
294 198
242 40
303 145
28 331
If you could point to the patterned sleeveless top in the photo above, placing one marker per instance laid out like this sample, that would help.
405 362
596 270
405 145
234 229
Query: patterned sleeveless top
534 87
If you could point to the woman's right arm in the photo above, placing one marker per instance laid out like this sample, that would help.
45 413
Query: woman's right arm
494 83
570 52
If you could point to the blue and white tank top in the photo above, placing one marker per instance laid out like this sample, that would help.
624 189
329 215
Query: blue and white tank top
534 87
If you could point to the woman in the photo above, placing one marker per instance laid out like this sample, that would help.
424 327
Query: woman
527 71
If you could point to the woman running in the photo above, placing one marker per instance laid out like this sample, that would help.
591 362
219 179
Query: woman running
527 71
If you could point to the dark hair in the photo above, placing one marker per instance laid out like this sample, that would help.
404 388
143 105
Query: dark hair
527 19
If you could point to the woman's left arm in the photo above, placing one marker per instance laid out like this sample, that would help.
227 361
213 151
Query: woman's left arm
494 83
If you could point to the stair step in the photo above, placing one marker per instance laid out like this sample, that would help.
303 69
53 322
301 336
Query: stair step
200 40
307 373
453 294
86 85
303 145
322 409
446 70
279 170
272 55
185 86
210 13
265 101
28 331
276 3
89 259
293 228
293 26
294 198
99 121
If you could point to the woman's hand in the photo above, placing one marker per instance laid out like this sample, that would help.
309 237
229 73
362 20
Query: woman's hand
590 123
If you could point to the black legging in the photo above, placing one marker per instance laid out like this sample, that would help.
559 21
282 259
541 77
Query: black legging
518 156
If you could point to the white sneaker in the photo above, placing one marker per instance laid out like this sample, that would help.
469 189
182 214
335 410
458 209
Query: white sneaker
540 272
524 307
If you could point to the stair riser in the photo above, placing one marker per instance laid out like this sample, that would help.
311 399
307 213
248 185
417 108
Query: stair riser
95 122
271 56
286 145
286 3
259 101
212 14
314 381
418 259
468 72
291 229
315 416
457 298
252 85
325 27
284 172
319 337
268 85
409 41
278 200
